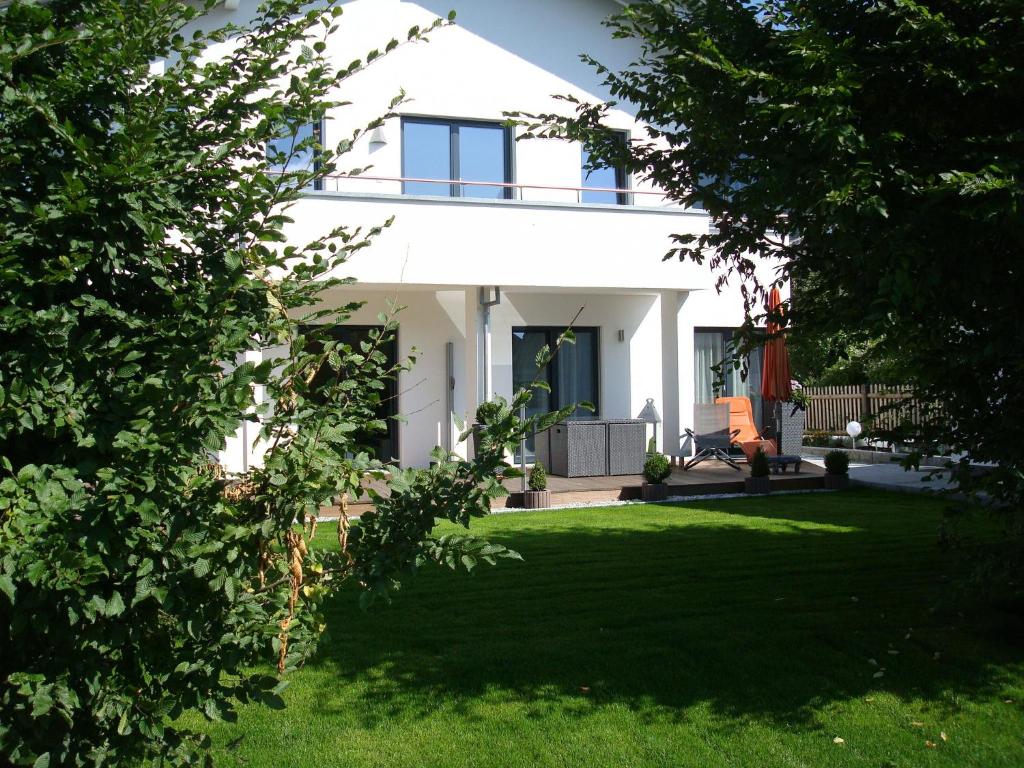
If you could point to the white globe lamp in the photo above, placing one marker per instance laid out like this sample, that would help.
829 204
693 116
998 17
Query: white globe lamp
853 429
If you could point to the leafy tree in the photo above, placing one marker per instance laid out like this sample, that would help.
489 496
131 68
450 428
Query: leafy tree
142 256
846 356
872 149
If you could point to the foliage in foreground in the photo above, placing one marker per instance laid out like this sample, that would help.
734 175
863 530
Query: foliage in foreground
145 291
871 150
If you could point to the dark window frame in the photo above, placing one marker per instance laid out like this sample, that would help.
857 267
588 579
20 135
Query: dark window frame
623 180
453 124
553 332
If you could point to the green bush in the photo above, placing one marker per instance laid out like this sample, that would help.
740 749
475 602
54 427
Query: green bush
538 477
139 243
657 468
759 464
837 462
488 412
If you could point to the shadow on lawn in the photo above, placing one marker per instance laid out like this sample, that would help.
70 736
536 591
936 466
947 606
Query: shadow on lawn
768 618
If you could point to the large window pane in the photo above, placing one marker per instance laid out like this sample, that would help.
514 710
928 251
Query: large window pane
711 347
599 177
481 153
603 179
482 158
426 154
708 351
298 152
380 444
577 372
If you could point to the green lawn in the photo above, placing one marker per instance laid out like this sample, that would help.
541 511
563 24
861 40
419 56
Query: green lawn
721 633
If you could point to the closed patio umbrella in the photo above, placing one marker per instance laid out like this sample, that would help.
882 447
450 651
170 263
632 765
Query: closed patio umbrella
776 380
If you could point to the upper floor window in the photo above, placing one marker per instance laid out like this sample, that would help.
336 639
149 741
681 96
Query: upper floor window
297 152
599 184
456 151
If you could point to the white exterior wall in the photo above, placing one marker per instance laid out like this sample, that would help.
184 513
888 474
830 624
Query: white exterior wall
548 253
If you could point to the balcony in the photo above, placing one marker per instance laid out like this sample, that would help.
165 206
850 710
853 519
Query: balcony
539 235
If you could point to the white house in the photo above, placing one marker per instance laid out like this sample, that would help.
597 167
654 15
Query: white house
496 243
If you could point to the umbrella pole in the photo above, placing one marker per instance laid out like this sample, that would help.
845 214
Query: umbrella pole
778 427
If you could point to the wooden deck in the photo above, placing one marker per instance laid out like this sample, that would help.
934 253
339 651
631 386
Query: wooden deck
708 478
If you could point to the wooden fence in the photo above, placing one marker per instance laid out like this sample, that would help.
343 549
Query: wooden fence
830 408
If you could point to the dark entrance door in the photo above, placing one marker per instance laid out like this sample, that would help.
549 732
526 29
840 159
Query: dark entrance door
381 445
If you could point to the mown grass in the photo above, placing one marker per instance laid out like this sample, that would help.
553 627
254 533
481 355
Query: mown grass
747 632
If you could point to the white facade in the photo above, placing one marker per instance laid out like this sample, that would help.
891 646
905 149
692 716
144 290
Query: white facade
547 254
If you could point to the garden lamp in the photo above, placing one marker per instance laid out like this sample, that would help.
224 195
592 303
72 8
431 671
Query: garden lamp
650 415
853 429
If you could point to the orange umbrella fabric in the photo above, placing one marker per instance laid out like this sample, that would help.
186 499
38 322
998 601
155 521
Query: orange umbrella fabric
776 380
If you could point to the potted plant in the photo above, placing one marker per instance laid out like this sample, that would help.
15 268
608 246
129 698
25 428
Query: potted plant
538 496
486 413
758 481
837 467
657 468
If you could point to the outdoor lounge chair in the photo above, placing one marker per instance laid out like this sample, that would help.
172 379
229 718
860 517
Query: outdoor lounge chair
741 422
711 435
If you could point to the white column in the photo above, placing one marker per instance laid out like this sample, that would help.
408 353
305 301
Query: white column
670 428
469 387
238 454
687 394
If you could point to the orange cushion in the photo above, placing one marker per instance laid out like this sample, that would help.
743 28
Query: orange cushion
741 417
749 448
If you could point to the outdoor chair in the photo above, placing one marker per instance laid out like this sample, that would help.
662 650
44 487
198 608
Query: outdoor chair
711 434
741 422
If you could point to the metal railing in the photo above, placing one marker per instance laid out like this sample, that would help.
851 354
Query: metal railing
629 195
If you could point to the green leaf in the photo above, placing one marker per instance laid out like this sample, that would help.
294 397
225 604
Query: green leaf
7 587
114 606
42 702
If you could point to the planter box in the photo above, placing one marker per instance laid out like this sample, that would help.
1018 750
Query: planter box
836 482
654 491
537 499
756 484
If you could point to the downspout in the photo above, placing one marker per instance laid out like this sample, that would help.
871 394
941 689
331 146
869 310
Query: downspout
487 303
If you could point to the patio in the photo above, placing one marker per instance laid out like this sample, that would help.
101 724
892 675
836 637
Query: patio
706 479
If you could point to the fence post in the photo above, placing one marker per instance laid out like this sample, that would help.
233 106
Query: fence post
865 402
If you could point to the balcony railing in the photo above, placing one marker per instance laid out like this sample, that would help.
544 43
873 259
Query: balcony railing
650 198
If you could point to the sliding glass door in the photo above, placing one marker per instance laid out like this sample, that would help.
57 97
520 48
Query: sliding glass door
380 444
711 347
572 375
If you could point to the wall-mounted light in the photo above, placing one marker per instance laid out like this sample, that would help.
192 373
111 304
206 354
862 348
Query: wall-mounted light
622 335
378 138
